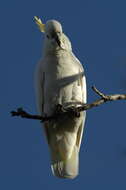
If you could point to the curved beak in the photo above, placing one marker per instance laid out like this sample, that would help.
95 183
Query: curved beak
57 39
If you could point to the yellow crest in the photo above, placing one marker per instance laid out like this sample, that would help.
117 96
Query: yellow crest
39 23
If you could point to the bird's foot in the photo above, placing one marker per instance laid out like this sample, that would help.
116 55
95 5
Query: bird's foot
59 109
74 111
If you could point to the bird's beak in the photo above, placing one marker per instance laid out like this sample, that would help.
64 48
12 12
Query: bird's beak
57 38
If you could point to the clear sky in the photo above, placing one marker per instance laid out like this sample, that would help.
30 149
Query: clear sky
97 30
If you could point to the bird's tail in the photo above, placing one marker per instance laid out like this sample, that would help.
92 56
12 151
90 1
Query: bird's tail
66 168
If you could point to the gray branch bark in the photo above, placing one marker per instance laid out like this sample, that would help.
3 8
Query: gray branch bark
72 111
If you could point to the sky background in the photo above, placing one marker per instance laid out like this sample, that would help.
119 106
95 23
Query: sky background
97 30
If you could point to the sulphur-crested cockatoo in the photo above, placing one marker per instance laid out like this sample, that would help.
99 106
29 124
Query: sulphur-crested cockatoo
60 80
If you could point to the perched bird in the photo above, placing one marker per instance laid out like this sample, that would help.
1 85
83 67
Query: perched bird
60 80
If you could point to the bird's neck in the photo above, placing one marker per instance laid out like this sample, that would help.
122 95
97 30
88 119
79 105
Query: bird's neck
56 53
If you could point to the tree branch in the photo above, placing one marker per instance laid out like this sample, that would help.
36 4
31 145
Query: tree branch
60 111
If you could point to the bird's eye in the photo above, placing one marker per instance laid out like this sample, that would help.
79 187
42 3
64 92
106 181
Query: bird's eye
47 36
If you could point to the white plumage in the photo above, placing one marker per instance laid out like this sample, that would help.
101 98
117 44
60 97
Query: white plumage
60 79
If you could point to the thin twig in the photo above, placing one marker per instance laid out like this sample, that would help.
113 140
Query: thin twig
21 113
99 93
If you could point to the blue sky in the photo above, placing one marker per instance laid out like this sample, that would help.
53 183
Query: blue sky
97 31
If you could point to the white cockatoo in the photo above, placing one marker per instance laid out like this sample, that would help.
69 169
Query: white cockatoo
60 80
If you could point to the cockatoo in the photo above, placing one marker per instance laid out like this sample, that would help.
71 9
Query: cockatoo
60 80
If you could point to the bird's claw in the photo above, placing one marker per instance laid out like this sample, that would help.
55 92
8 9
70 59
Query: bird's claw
59 108
75 111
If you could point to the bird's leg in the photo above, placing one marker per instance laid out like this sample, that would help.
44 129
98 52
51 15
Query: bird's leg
59 109
74 111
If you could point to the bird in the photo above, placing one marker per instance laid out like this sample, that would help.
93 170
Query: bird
60 81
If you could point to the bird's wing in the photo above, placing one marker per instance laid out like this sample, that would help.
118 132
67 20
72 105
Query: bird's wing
39 87
82 78
81 128
82 83
84 96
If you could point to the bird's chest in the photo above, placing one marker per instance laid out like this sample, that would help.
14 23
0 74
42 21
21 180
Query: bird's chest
60 81
59 67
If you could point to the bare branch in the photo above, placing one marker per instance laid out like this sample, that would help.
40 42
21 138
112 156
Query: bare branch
21 113
60 111
98 92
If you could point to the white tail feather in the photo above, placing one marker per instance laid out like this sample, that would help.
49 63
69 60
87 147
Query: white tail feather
67 168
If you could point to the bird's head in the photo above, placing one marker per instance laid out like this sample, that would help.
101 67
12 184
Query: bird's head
55 39
53 32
